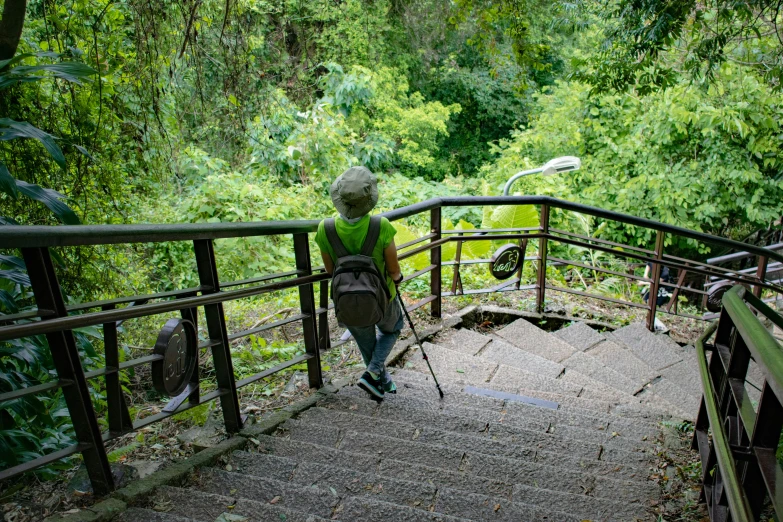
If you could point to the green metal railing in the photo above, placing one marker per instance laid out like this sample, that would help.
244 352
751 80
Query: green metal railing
740 470
53 318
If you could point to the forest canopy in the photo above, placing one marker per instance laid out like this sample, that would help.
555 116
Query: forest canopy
131 111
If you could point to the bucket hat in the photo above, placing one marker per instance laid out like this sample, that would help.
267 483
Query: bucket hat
355 192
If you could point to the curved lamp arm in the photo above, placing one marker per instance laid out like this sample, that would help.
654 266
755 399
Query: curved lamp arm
555 166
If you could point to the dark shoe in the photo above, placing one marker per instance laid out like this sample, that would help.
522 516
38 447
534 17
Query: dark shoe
388 383
371 385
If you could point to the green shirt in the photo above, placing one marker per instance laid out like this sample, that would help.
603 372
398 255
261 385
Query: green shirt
353 236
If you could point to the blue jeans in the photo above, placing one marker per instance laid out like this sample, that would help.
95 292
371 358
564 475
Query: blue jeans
375 346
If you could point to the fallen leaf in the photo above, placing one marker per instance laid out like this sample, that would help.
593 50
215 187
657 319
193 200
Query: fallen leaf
497 507
460 370
275 500
228 467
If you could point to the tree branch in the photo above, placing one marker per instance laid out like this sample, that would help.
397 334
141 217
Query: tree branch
11 27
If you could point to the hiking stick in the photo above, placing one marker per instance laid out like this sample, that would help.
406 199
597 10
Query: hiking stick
421 347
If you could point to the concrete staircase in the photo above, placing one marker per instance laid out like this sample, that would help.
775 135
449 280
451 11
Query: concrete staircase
535 426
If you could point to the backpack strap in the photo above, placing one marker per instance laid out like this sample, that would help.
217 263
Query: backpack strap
334 239
373 232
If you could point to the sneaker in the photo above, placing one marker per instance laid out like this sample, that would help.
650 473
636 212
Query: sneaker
371 385
388 383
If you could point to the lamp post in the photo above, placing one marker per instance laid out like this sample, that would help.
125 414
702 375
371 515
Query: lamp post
555 166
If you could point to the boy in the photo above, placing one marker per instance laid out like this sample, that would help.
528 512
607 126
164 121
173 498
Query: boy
354 194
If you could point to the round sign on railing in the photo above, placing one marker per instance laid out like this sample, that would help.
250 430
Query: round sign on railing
178 345
505 262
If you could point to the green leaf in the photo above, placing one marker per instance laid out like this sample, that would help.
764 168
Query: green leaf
7 181
72 72
11 130
472 249
515 216
50 198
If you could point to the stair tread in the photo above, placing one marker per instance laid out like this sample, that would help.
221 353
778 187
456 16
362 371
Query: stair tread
463 340
284 494
577 417
525 335
623 361
501 467
135 514
418 495
431 459
195 504
502 352
621 456
500 427
596 369
580 336
658 351
685 404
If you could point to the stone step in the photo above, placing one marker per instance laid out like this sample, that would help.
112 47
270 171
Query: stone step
360 509
465 482
685 374
421 387
308 452
508 416
596 369
623 361
464 341
418 495
503 468
312 499
496 439
503 352
514 425
525 335
449 365
658 351
424 387
193 504
149 515
354 481
589 508
687 404
628 470
580 336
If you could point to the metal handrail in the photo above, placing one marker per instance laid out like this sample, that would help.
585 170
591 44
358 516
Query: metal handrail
739 467
65 235
738 503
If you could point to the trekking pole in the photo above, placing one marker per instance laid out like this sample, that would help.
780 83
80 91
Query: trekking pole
421 347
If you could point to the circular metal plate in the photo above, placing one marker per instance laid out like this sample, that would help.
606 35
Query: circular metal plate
505 262
178 344
715 296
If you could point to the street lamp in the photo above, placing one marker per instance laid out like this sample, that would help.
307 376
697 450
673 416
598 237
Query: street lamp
555 166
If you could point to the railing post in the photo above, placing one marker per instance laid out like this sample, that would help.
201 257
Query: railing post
435 258
216 327
652 301
761 274
456 280
324 341
543 244
307 305
67 362
523 248
119 416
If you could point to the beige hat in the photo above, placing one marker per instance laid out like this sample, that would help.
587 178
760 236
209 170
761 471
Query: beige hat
355 192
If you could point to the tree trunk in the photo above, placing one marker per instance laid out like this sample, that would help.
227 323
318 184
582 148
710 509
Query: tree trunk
11 27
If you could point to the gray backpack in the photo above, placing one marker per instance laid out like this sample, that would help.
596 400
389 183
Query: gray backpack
359 290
